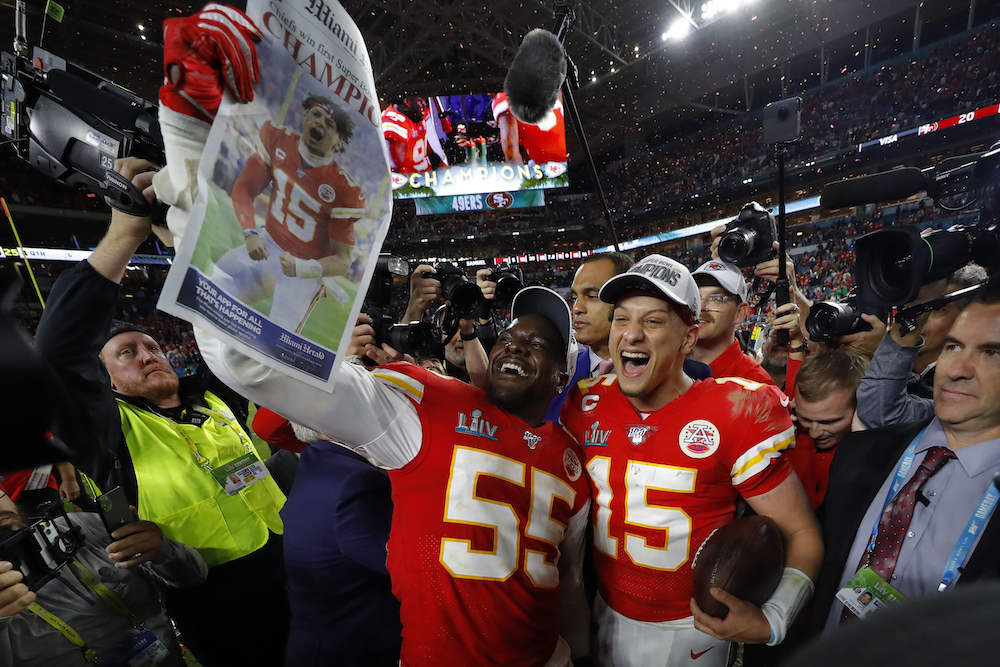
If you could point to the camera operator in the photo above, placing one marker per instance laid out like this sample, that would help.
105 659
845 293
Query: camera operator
103 603
425 290
899 383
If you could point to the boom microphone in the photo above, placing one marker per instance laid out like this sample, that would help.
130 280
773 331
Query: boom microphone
888 186
535 76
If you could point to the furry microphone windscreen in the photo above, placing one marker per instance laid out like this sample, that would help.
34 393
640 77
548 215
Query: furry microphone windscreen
535 76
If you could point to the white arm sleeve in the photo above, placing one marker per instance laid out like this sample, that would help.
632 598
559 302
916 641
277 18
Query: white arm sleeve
362 412
784 604
574 613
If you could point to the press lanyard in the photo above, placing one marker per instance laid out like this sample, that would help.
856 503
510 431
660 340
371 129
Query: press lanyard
103 592
215 414
982 514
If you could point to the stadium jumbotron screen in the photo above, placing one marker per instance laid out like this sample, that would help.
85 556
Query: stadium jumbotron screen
471 144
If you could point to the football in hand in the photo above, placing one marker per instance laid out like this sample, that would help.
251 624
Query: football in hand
745 558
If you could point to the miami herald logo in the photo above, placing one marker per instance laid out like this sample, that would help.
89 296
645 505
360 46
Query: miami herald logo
474 424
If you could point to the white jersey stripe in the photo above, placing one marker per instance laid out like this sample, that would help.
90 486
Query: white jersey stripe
393 128
757 457
412 388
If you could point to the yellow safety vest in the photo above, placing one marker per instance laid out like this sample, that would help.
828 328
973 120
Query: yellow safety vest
177 490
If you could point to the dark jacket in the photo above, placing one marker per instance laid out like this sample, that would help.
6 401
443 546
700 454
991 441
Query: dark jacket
337 521
71 334
860 466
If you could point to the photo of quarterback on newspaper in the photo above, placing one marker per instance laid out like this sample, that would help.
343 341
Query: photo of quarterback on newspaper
294 201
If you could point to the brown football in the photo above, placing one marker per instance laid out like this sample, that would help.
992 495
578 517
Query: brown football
745 558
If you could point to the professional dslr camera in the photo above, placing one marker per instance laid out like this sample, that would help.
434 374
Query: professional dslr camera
43 546
418 339
829 319
509 280
464 296
749 236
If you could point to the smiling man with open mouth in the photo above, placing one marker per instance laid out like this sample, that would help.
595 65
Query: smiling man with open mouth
668 457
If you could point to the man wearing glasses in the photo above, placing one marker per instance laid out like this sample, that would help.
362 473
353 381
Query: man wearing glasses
723 305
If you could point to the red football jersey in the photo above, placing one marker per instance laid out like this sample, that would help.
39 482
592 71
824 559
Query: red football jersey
663 484
544 142
303 198
399 127
479 514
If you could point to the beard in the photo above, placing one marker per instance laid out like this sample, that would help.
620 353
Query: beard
774 363
157 388
515 400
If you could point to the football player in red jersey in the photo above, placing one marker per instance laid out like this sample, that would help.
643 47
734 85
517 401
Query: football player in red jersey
404 125
491 500
544 142
667 459
308 234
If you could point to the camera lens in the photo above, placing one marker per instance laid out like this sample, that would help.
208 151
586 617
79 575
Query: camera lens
736 244
465 298
829 318
507 286
412 338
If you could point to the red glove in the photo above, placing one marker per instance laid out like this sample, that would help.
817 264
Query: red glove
208 51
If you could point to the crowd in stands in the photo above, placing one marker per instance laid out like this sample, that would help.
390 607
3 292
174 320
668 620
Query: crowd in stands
645 191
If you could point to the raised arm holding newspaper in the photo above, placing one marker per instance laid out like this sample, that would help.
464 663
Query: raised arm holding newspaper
491 500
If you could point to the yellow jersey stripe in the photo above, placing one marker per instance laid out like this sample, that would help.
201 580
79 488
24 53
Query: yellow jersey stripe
412 388
757 457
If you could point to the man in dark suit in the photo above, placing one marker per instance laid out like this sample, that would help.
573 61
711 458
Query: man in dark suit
337 522
951 500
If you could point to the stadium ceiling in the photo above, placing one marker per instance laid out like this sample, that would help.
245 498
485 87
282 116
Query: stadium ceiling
634 83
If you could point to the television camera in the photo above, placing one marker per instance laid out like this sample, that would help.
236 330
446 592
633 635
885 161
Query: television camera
893 263
72 124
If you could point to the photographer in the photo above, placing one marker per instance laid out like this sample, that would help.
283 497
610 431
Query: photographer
862 342
425 290
134 425
101 605
899 384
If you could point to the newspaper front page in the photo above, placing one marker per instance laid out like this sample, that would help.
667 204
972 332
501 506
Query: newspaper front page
294 198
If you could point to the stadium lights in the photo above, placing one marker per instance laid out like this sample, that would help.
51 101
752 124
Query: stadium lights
679 29
712 9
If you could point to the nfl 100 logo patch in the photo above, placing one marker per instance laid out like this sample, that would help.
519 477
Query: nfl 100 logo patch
637 434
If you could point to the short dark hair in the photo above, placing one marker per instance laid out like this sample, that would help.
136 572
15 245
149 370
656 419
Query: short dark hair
829 371
621 261
988 295
343 120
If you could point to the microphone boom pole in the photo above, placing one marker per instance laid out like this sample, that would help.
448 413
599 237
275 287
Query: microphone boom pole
564 17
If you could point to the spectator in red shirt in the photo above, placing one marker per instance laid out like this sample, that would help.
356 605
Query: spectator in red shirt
824 390
723 306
